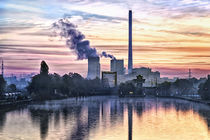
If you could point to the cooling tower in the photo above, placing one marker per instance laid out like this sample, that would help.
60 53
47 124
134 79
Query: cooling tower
93 67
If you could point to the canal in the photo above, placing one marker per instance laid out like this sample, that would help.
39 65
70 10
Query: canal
107 118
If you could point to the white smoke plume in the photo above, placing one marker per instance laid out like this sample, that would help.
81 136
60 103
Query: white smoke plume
75 40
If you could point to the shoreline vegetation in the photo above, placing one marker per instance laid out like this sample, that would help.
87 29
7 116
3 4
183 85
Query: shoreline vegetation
45 86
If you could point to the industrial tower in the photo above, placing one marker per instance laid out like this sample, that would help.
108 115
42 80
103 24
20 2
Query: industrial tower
130 55
2 68
190 74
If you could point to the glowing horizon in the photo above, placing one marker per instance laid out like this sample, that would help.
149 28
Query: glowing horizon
168 36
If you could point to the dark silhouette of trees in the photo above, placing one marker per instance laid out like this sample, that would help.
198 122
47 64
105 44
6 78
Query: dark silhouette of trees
204 89
2 84
126 88
132 87
182 86
11 88
179 87
164 89
139 84
40 86
44 68
52 86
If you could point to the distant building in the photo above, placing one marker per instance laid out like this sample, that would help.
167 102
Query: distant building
151 78
93 67
117 66
166 79
20 81
146 73
109 79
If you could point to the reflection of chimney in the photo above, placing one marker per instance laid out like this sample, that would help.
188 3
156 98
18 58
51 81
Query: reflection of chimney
130 56
130 121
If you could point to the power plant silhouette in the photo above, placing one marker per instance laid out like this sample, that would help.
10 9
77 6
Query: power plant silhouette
115 64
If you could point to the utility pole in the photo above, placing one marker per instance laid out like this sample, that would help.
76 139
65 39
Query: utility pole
2 68
190 74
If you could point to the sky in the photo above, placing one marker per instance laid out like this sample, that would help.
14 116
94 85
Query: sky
169 36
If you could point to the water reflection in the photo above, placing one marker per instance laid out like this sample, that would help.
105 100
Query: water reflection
130 121
2 120
108 118
41 117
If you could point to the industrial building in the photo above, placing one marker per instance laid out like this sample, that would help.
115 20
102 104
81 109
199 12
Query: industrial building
93 67
109 79
117 65
152 78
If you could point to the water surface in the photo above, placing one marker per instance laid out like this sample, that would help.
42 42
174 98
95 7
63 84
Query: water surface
107 118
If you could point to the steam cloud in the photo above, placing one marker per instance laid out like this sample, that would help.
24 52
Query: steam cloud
75 40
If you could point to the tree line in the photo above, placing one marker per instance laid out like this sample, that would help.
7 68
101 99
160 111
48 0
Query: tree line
53 86
182 87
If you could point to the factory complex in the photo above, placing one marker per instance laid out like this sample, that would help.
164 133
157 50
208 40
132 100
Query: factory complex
117 73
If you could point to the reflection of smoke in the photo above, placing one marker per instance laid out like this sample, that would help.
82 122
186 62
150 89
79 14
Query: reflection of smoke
75 40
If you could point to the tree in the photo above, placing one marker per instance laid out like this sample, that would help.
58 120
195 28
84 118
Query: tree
164 88
44 68
2 84
41 85
126 88
139 79
12 88
46 86
139 84
183 86
204 89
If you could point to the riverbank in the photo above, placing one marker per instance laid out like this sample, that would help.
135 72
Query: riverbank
7 104
207 102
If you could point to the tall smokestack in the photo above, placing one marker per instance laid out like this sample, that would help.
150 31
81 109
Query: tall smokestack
130 55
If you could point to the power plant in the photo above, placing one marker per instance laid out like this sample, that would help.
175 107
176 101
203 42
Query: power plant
117 66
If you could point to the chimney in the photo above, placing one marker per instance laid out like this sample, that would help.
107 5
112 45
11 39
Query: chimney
130 55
